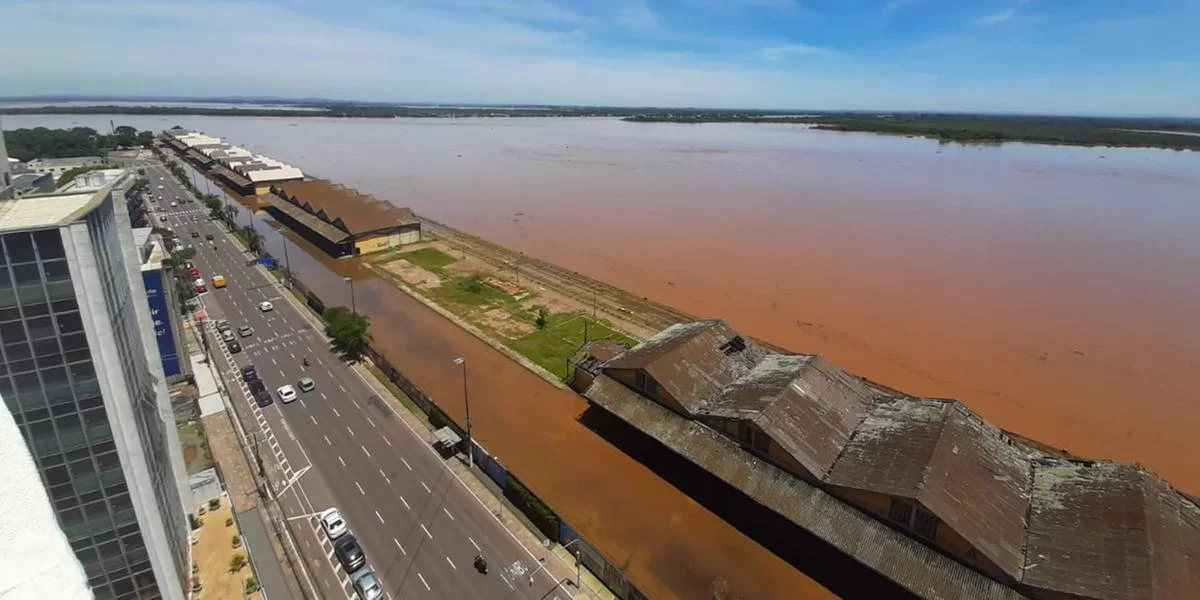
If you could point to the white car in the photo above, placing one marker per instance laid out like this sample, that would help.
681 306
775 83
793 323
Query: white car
333 524
174 204
286 393
266 306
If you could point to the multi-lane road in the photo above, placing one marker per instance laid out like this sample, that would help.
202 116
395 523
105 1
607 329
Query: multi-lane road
340 445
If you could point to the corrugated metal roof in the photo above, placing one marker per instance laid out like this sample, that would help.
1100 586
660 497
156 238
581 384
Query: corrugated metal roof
1048 520
693 362
805 403
907 562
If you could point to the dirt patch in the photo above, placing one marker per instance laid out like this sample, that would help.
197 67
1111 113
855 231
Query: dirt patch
196 455
503 323
213 550
413 275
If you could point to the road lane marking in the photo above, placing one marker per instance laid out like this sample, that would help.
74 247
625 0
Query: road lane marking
399 546
360 490
350 430
314 419
335 411
323 396
385 440
343 388
422 578
427 490
364 449
472 540
274 362
281 373
327 442
330 373
380 517
447 511
341 461
430 535
451 563
369 420
405 503
404 461
356 404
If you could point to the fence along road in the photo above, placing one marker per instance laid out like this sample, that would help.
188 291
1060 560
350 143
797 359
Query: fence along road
419 527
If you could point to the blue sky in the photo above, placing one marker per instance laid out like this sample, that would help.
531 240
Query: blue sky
1138 57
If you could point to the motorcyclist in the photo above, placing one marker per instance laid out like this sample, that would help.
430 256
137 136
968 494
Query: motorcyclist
304 361
480 563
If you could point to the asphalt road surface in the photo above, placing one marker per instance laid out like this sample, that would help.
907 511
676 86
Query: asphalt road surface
344 447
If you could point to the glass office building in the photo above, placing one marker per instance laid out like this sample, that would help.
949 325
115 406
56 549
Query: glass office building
77 375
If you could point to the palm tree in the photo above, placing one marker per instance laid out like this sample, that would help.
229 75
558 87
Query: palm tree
253 239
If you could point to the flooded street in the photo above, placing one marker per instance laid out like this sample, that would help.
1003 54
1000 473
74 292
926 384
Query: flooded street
1052 289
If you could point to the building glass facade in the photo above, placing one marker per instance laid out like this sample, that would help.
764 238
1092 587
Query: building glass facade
50 383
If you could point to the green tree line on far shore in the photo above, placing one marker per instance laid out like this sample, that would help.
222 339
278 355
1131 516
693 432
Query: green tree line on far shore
41 142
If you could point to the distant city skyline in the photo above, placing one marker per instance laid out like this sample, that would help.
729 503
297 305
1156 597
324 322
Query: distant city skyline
1102 57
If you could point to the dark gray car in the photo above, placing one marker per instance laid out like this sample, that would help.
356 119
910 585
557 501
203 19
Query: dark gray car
349 553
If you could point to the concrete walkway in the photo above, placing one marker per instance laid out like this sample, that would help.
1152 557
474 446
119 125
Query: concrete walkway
262 556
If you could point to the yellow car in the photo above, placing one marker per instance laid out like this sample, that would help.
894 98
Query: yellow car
218 281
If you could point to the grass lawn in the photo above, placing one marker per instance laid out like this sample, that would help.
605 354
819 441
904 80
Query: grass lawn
551 346
456 296
430 259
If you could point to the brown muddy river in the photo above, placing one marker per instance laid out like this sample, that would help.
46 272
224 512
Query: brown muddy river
1052 289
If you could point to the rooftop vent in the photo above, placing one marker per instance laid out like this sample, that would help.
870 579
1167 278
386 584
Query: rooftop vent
733 346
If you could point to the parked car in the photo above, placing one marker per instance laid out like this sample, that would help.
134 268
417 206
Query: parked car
266 306
306 384
333 523
349 553
366 585
286 393
195 234
263 398
222 325
256 385
245 331
227 336
249 373
208 236
234 347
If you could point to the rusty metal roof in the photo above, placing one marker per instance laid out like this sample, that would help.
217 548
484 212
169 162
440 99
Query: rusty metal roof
805 403
1112 531
359 213
693 362
910 564
592 354
1050 521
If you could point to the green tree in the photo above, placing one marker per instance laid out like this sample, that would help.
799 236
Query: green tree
70 174
543 316
348 330
253 239
475 283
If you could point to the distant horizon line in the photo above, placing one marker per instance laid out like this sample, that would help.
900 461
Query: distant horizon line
302 101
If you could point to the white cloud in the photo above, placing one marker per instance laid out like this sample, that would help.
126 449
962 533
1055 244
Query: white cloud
996 18
636 14
893 5
783 51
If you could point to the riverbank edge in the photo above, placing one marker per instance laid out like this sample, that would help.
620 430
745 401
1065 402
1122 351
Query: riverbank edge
497 345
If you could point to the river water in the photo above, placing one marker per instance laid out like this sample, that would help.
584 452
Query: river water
1052 289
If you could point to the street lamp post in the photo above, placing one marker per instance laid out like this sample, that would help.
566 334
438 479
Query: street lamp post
470 446
353 304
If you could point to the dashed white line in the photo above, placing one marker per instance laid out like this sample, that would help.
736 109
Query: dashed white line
422 578
342 387
335 411
364 449
274 362
404 461
341 461
323 397
385 477
399 546
472 540
380 517
447 511
350 430
405 503
385 440
356 404
360 490
369 420
429 535
427 490
327 440
451 563
314 419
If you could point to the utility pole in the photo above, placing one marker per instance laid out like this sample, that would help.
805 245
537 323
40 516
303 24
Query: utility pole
353 305
470 446
287 269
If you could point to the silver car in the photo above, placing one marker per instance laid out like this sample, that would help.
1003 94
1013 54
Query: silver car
367 585
306 384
